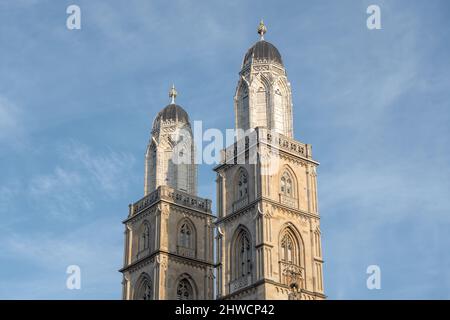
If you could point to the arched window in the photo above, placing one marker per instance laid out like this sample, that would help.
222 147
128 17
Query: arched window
143 288
288 189
286 185
279 112
147 291
291 258
260 111
185 235
242 105
242 255
317 244
182 158
242 190
288 249
184 290
144 240
150 168
186 238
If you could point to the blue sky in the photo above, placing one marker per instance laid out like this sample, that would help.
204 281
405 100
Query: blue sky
76 109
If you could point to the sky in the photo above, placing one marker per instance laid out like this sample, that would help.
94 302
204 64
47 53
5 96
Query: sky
76 109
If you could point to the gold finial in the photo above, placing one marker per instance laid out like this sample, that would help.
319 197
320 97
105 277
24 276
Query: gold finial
262 29
173 94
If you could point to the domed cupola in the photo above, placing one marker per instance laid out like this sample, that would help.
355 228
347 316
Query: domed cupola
263 93
172 113
262 51
170 155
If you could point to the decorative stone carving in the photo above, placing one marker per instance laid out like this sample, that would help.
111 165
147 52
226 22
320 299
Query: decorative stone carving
240 204
240 283
289 201
186 252
170 194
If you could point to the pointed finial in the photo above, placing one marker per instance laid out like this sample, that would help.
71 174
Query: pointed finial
262 29
173 94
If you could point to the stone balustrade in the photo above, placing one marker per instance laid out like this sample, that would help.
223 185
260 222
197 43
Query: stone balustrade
268 137
172 195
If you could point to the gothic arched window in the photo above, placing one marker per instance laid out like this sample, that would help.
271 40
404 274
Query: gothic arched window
186 238
144 288
291 258
288 249
279 112
242 255
147 291
317 244
182 158
286 186
260 110
150 168
185 290
144 240
242 105
242 188
185 235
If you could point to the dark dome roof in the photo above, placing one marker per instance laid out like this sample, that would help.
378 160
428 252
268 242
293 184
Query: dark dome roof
263 50
172 112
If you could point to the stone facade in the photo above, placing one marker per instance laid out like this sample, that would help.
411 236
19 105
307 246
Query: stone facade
269 240
168 247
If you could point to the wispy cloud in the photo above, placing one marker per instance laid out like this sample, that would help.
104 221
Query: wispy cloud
7 194
110 171
94 247
62 193
71 189
11 127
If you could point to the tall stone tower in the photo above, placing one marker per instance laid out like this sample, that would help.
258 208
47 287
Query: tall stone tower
268 237
169 233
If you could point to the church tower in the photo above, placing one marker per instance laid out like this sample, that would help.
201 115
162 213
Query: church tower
169 233
268 230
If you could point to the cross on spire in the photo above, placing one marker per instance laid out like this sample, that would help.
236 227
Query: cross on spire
262 29
173 94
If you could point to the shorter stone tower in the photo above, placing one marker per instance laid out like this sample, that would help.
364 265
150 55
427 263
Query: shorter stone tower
169 233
